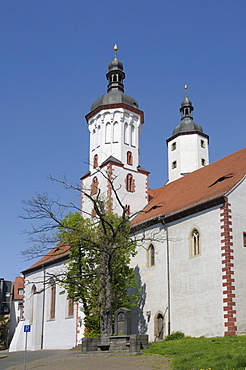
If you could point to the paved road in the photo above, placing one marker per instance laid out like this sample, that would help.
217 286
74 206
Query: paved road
72 360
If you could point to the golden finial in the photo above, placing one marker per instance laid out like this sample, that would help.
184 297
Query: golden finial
185 87
115 50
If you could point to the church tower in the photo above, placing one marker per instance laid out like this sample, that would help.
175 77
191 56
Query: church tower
114 123
188 145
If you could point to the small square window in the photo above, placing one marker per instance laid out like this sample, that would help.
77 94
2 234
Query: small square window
20 291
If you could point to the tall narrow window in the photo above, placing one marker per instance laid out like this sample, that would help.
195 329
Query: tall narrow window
151 255
127 207
108 133
126 136
244 239
52 299
203 162
33 291
202 144
195 243
94 186
70 310
133 136
129 158
173 146
95 161
129 183
115 132
174 164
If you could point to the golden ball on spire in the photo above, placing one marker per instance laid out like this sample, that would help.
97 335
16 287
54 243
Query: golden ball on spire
185 87
115 47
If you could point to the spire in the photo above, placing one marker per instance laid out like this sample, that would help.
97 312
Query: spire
187 124
115 75
186 106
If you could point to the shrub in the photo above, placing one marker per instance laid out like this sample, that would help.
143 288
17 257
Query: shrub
175 335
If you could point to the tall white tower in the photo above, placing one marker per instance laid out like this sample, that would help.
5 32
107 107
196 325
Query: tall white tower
114 123
188 145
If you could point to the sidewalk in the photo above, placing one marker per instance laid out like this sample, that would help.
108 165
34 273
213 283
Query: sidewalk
64 360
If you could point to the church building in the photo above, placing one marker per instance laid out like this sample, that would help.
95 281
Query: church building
191 232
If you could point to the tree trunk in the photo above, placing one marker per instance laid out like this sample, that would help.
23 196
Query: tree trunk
105 295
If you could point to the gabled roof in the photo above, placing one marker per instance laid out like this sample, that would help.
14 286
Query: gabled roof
197 188
57 254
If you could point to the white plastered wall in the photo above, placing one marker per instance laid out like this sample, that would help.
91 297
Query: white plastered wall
58 333
195 283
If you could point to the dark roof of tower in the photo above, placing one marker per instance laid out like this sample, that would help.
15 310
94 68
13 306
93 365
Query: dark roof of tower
115 92
187 124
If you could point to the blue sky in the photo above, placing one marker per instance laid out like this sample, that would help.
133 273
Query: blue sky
54 56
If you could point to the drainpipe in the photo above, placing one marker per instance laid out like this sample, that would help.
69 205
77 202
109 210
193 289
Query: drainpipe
168 279
43 311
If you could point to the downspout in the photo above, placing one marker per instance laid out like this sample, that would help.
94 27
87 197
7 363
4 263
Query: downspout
168 279
43 311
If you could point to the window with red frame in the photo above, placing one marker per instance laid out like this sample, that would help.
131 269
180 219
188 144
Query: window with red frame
127 207
95 161
129 183
129 158
94 186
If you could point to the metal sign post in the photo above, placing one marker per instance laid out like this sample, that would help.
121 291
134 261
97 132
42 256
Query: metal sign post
27 329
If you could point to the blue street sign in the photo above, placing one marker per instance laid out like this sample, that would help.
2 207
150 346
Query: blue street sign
27 328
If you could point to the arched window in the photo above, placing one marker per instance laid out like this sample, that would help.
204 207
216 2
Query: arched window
52 299
129 183
33 291
195 243
95 161
129 158
126 136
133 136
115 132
151 256
108 133
94 186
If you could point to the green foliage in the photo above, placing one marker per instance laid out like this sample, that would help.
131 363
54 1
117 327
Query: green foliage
4 325
89 240
225 353
175 335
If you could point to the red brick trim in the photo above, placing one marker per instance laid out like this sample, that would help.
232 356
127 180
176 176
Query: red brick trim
78 317
228 270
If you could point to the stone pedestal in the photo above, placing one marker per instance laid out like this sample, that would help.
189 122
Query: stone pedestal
114 344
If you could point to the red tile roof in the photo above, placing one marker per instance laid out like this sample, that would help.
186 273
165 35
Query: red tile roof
18 284
56 254
199 187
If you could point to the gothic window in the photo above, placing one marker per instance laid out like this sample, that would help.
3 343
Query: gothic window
133 136
195 243
52 299
94 186
151 255
95 161
129 183
108 133
129 158
115 132
70 309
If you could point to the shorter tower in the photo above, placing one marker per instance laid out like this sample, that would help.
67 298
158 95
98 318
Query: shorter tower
115 123
188 145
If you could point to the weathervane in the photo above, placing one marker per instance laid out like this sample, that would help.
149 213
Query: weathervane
115 50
